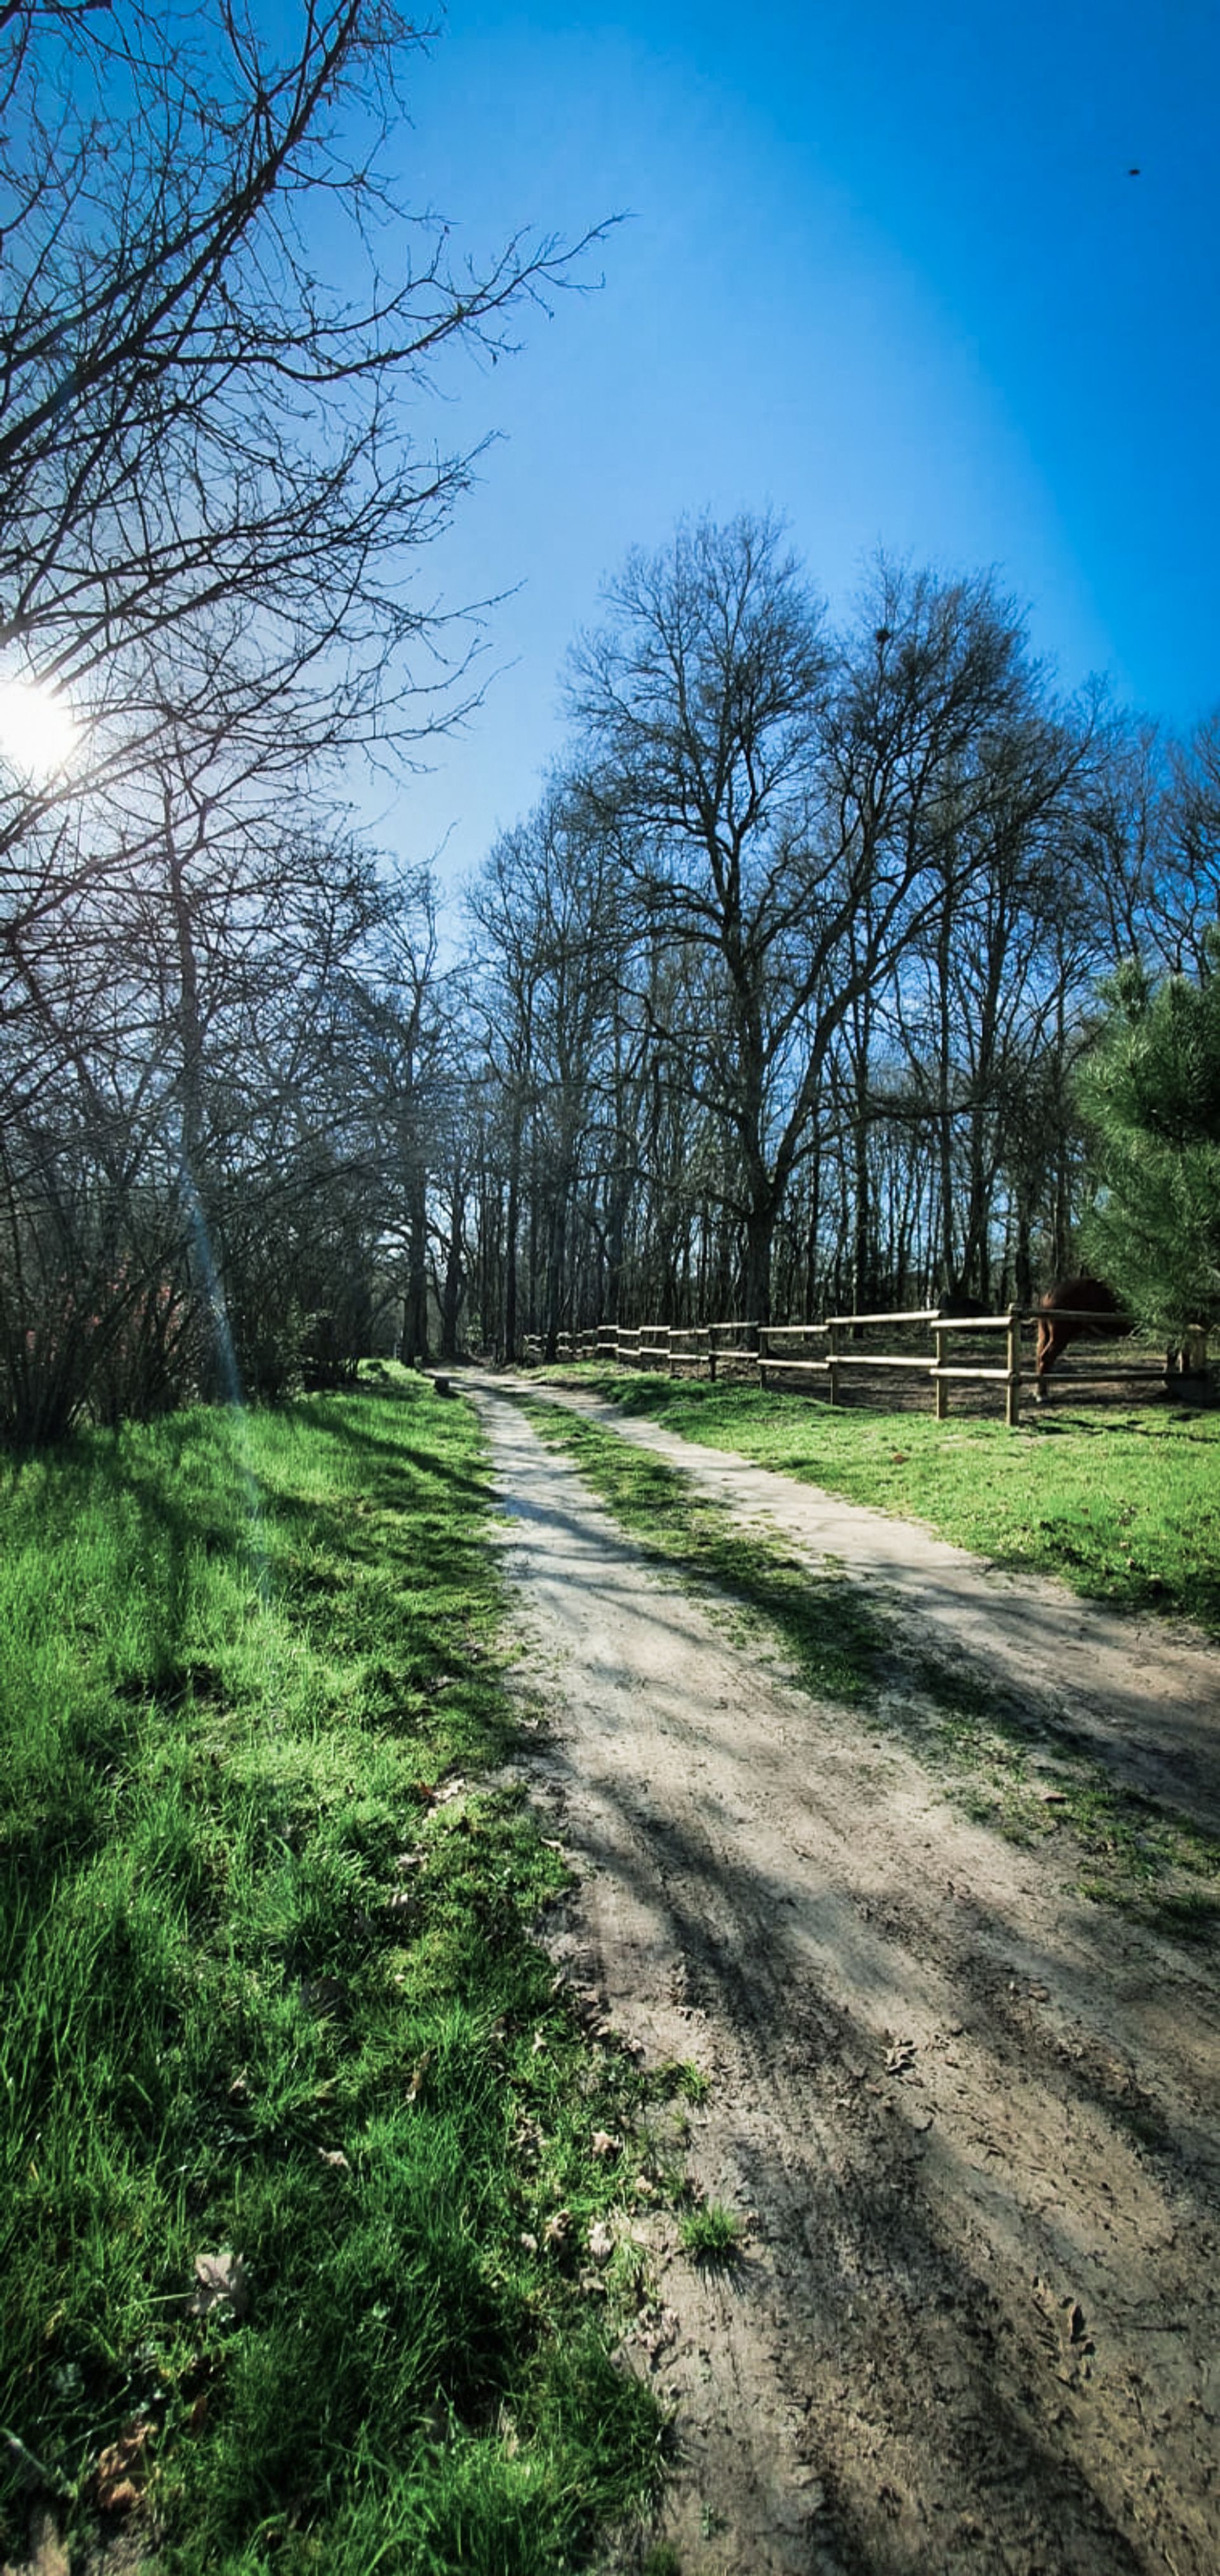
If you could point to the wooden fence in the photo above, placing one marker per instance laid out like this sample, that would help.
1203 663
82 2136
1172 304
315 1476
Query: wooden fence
820 1358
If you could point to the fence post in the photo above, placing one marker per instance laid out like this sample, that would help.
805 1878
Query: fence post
940 1384
833 1364
1193 1354
1012 1392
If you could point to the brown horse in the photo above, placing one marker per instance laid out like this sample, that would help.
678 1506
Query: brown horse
1088 1297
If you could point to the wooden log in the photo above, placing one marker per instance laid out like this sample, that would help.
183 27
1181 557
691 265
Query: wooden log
803 1365
974 1323
1103 1376
909 1315
1103 1326
883 1359
996 1376
940 1392
1012 1400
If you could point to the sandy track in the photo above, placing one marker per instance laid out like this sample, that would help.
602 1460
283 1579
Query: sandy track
1144 1694
970 2119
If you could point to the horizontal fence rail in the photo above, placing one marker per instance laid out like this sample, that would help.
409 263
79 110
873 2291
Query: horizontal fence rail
816 1357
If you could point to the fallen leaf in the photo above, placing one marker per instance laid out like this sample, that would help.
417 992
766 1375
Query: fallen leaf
223 2283
119 2495
114 2487
558 2229
416 2085
603 2144
601 2241
901 2056
529 2240
335 2156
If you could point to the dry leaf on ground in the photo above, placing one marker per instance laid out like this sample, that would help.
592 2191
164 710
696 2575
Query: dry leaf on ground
223 2283
115 2486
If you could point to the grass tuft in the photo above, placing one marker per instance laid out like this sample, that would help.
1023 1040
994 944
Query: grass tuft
711 2235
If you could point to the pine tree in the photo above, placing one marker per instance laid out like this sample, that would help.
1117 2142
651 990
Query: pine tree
1149 1091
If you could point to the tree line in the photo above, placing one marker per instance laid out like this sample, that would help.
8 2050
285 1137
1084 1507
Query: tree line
773 1006
786 982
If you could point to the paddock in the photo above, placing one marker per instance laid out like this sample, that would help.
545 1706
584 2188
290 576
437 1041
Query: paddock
906 1359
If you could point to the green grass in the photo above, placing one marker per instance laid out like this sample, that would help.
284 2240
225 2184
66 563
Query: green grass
993 1756
268 1991
711 2235
1124 1506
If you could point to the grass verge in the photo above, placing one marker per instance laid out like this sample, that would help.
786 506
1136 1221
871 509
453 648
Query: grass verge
999 1764
1125 1507
299 2170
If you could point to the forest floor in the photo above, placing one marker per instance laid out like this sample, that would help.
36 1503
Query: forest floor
964 2113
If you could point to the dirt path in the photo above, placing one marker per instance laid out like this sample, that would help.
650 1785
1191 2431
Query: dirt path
969 2119
1145 1694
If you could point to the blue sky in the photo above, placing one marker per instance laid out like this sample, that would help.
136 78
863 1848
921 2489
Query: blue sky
883 271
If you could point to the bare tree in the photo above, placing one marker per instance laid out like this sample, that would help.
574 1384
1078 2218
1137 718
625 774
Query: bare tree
212 311
215 325
776 801
551 935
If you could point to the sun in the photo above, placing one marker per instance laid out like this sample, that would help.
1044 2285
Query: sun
38 732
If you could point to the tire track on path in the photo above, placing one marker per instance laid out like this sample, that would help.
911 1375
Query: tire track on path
969 2120
1143 1693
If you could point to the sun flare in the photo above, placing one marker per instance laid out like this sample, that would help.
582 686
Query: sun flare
38 732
